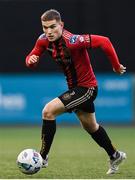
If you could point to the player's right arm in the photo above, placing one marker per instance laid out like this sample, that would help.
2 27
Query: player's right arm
33 57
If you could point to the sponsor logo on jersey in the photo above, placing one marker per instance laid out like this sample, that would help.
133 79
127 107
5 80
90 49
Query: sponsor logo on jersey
73 39
65 61
50 49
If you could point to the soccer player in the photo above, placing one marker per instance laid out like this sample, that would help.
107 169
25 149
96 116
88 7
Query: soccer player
70 52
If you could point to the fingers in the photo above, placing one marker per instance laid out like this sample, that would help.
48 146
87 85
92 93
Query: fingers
33 59
122 69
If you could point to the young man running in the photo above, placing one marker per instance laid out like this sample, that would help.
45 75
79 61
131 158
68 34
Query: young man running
70 52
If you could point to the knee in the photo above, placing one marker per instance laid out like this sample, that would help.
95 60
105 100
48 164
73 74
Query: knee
47 113
91 127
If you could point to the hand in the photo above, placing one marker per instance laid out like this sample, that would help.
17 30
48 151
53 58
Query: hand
121 70
33 59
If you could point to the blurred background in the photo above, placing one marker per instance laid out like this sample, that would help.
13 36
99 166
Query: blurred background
24 92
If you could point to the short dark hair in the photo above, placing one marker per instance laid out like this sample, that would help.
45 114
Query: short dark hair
51 14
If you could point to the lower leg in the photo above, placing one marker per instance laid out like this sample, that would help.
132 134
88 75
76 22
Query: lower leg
49 113
88 121
48 132
103 140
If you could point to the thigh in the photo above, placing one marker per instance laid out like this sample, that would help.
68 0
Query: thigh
55 106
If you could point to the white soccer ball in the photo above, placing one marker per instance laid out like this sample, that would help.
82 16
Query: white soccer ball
29 161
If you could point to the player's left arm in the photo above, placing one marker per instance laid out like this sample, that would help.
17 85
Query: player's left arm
79 42
105 44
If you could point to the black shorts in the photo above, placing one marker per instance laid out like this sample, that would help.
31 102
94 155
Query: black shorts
79 98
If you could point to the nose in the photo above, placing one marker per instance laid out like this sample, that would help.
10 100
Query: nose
49 31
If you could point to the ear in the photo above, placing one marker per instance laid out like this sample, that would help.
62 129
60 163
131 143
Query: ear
62 24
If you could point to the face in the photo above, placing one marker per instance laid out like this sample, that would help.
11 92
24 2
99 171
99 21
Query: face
52 29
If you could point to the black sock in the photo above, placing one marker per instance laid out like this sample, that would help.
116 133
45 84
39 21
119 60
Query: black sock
102 139
48 132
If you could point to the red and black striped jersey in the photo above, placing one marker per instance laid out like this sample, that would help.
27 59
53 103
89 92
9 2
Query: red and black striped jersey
70 52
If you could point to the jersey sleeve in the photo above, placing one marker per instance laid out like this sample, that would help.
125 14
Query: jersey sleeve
79 41
105 44
39 48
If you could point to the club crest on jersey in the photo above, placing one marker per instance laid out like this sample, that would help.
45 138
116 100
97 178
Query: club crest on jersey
81 38
73 39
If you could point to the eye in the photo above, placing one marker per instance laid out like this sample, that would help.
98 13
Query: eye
53 26
44 27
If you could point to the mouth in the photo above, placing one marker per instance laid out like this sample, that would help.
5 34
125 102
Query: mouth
50 37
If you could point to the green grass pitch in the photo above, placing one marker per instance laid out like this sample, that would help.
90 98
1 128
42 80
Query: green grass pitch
74 155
